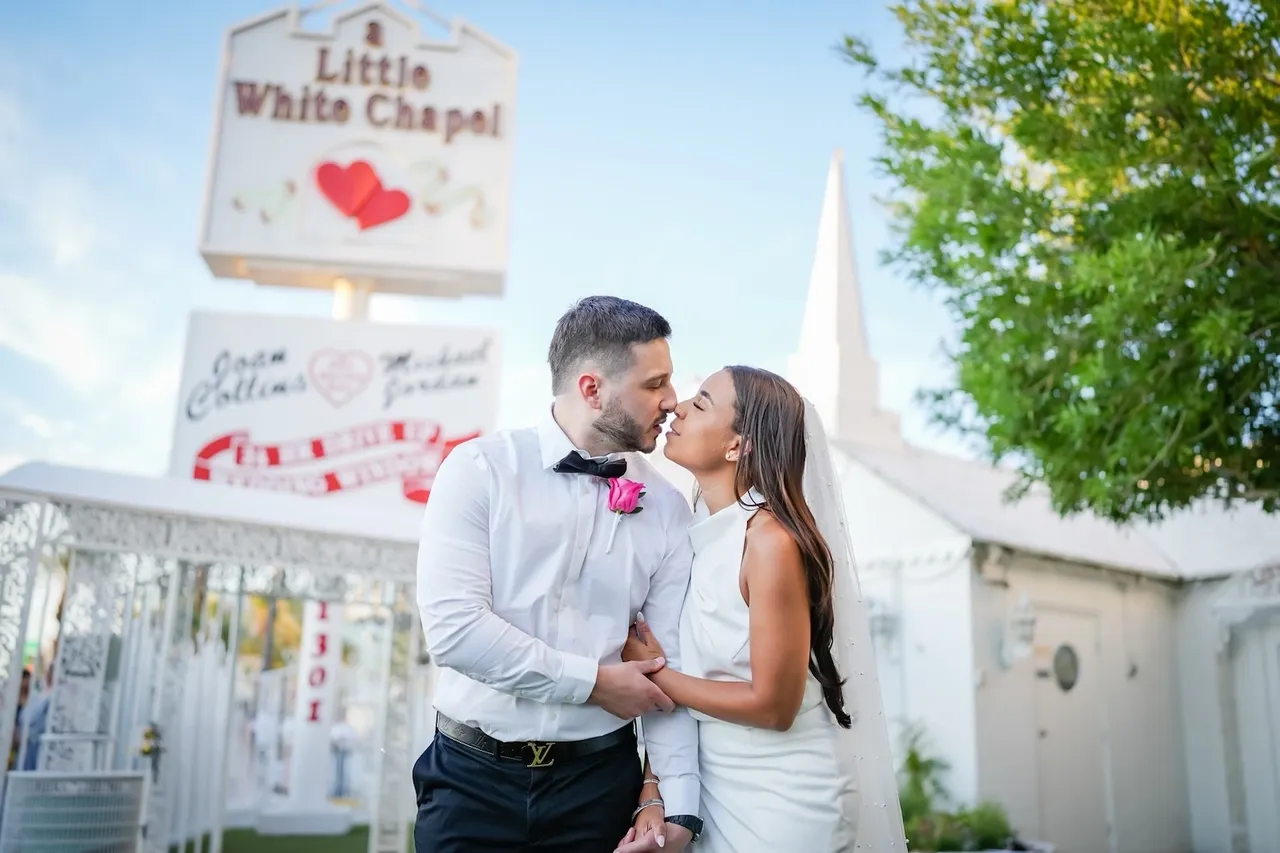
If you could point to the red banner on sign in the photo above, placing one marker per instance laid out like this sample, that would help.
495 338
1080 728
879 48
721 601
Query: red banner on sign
415 449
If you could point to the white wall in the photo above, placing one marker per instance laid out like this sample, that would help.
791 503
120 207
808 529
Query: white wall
1137 650
1257 686
1202 721
1231 704
917 563
938 665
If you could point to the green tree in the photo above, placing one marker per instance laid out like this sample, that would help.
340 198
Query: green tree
1093 186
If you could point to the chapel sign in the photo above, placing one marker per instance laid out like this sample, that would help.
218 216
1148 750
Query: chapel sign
344 412
362 150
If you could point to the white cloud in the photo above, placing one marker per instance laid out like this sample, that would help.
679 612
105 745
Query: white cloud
65 334
82 299
13 122
28 430
62 220
157 386
9 461
37 424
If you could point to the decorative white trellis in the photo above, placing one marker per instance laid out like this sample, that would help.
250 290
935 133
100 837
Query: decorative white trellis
139 553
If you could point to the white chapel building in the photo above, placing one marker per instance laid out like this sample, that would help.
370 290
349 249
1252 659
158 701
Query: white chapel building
1116 690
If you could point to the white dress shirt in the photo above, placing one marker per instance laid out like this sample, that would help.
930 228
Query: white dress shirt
521 598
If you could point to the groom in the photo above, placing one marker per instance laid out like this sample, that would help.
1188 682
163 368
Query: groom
527 585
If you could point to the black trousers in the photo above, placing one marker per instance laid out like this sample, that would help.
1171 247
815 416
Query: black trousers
468 800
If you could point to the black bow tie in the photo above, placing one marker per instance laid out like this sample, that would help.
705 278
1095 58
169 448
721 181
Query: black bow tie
576 463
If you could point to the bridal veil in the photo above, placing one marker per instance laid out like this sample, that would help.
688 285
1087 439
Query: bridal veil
865 746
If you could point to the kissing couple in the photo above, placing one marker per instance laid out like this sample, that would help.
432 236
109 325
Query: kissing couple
619 672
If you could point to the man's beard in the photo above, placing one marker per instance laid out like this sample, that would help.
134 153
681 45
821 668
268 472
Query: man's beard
622 432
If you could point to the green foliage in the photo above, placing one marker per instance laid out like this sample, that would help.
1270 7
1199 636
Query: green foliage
920 776
935 831
928 827
986 827
1094 186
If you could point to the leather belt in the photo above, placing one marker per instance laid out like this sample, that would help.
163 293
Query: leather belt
532 753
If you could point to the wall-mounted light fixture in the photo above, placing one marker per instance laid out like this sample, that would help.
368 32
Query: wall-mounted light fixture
884 622
1019 633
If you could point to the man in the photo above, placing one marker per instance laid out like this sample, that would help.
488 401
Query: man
527 585
24 692
35 716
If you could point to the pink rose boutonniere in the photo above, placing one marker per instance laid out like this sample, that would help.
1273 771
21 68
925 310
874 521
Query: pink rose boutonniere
624 499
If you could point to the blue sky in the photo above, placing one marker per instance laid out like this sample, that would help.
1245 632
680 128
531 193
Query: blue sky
672 153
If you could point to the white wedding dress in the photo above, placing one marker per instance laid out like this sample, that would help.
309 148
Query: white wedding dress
817 787
761 789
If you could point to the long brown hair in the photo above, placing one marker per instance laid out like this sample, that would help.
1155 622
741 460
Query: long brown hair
770 418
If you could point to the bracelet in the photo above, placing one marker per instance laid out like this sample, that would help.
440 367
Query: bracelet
645 805
650 779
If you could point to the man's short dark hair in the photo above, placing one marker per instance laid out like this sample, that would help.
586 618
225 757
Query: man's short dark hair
601 329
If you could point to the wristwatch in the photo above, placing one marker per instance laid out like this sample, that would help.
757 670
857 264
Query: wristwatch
689 822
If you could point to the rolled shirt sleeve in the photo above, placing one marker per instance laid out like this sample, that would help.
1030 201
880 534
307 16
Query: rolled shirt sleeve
671 739
455 597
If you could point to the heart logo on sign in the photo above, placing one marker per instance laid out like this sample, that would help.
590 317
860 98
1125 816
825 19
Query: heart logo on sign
340 375
357 191
382 206
347 189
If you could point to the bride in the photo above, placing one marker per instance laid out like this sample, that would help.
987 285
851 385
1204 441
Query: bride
778 667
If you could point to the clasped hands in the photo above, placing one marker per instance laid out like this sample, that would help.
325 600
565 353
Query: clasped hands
625 689
641 644
649 830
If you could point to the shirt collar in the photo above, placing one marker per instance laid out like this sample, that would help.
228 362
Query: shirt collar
555 445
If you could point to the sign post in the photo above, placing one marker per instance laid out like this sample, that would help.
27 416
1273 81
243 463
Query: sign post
320 657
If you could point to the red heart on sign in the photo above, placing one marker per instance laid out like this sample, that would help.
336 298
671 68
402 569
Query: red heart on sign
382 207
350 188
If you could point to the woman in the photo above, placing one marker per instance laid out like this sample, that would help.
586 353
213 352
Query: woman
777 661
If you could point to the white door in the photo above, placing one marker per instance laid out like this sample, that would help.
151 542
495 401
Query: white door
1070 697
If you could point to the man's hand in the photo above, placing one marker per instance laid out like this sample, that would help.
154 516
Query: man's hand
623 689
641 644
677 838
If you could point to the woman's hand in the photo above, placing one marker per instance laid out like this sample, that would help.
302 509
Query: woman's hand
649 825
641 645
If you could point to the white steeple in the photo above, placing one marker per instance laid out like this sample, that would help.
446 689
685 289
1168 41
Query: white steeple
832 365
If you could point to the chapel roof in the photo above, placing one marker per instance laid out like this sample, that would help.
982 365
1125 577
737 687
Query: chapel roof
1207 541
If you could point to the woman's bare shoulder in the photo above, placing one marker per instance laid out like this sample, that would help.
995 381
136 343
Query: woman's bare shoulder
771 547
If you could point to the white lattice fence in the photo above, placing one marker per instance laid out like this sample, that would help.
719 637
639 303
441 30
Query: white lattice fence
140 721
198 742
